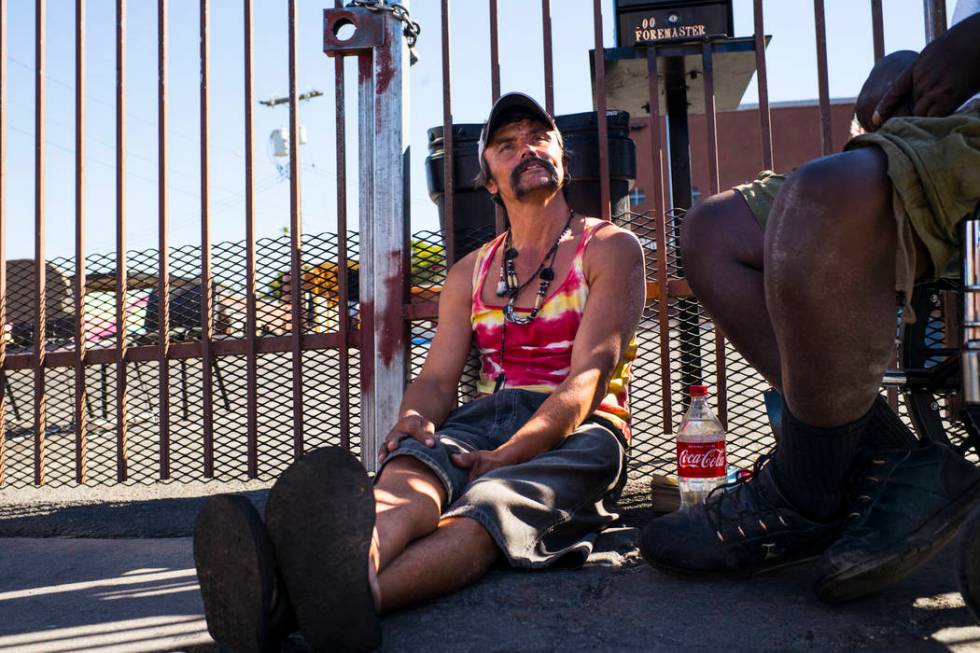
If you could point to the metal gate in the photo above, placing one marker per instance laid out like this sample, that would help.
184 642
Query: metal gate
195 363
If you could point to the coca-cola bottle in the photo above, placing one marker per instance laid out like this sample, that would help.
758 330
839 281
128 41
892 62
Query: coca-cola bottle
701 463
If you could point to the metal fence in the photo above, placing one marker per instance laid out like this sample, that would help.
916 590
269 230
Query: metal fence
240 370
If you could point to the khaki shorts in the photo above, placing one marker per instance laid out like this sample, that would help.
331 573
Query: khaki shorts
934 167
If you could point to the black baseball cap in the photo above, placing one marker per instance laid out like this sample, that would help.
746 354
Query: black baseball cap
504 111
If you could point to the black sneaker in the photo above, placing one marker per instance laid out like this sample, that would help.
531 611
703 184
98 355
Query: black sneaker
908 505
245 604
968 569
742 529
320 515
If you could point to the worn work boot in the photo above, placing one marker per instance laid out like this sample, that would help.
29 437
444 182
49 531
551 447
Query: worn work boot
742 529
321 518
245 604
907 505
968 569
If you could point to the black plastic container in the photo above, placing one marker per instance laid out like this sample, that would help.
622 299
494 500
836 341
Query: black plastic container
474 212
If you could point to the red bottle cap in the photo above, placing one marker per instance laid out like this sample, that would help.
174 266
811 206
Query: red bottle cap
699 391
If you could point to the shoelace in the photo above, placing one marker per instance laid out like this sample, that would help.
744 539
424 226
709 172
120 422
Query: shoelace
864 483
730 492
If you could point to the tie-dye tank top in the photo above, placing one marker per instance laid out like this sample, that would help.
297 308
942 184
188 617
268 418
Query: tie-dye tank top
537 356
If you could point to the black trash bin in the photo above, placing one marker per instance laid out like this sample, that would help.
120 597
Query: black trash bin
474 212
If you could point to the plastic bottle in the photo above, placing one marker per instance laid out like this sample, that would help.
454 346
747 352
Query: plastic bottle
701 460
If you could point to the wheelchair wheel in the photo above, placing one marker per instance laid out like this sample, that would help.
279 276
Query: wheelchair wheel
929 353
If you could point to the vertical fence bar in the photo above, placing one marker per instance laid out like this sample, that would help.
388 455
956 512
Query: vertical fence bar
499 223
494 53
343 278
295 241
549 72
762 82
3 239
122 455
163 244
877 29
935 18
251 365
826 140
449 182
40 394
370 428
207 355
657 169
600 97
707 62
81 421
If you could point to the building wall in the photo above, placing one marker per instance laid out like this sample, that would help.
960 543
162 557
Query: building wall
795 139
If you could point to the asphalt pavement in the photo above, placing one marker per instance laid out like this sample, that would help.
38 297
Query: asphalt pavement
112 570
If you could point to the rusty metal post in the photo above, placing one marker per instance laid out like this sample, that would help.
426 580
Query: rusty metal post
383 84
659 204
163 272
343 276
877 30
3 238
40 394
251 365
295 243
971 309
449 182
81 423
600 94
122 454
820 25
935 18
762 81
549 70
711 131
207 352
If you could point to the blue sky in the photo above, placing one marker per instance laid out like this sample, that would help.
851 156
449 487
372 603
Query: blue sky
792 76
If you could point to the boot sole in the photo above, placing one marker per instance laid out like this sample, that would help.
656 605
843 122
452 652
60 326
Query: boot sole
320 515
235 569
892 566
968 566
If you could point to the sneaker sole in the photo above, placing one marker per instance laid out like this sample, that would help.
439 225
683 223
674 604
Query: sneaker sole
922 544
968 566
320 515
738 574
235 569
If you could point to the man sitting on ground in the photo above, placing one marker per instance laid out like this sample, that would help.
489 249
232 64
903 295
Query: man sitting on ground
809 298
528 471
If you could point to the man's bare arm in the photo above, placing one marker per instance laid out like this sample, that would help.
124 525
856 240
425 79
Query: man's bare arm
614 265
430 397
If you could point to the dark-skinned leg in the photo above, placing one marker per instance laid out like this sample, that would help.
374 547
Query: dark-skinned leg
830 277
722 245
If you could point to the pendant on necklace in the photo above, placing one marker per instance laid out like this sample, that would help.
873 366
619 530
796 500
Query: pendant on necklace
501 288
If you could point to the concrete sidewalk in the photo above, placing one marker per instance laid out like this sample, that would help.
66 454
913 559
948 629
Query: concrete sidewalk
124 593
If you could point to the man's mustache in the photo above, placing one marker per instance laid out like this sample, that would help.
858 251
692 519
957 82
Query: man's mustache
527 163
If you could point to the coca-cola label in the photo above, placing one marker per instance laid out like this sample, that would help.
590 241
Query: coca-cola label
701 459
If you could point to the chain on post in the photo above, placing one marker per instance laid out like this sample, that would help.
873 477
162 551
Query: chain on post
412 28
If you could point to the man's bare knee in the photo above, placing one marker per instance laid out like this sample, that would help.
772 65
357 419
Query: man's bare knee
405 478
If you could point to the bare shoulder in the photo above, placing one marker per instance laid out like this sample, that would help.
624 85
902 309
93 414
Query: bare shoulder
612 246
460 277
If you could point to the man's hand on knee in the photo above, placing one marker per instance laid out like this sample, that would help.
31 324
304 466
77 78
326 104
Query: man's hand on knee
478 462
412 425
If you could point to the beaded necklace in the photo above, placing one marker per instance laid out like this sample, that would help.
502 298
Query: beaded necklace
510 287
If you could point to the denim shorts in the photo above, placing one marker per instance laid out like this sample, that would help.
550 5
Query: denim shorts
545 509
